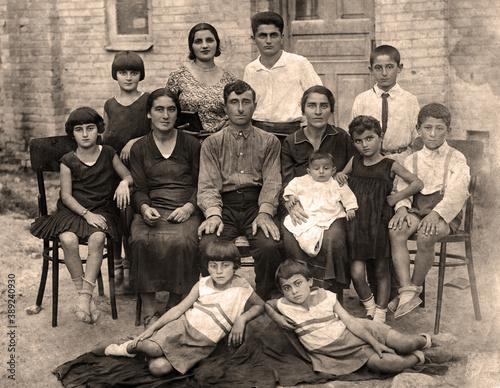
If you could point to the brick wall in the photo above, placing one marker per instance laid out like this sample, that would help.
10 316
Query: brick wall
53 57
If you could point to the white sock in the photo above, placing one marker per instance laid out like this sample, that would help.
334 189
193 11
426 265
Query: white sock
369 305
118 350
380 314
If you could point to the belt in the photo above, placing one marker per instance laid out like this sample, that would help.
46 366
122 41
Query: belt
243 190
271 126
395 151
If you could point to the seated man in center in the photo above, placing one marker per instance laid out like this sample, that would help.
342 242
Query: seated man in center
239 186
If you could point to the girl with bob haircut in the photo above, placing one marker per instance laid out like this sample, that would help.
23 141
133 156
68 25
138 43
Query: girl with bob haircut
85 209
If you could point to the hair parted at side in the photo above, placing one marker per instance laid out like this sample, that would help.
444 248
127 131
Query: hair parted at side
385 49
239 87
128 60
320 155
221 250
364 123
266 18
289 268
320 90
435 110
202 27
81 116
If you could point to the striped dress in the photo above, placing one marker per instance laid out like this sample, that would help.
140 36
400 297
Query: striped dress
194 335
331 346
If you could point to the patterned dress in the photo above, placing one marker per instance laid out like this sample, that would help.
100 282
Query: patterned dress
195 96
93 187
194 335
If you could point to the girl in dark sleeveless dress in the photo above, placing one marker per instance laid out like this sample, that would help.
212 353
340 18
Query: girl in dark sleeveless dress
85 209
371 179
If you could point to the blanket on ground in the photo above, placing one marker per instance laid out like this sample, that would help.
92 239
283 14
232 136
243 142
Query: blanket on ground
267 358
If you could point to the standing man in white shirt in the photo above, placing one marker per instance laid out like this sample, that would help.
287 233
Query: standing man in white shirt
279 78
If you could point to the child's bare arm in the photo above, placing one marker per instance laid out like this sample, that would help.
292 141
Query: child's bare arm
359 331
281 321
171 315
122 193
67 198
414 184
342 176
291 199
125 154
237 333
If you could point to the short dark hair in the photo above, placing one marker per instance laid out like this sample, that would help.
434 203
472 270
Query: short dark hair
81 116
266 18
202 27
320 90
127 60
363 123
222 250
289 268
385 49
320 155
435 110
239 87
160 93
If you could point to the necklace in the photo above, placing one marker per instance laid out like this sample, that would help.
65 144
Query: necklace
202 69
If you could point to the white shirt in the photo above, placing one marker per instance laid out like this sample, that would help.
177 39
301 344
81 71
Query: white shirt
280 88
430 169
402 114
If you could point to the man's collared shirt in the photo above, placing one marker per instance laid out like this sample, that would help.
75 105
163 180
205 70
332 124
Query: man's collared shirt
233 159
430 169
402 118
280 88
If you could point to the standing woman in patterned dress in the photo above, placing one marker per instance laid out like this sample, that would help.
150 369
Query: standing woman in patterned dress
200 82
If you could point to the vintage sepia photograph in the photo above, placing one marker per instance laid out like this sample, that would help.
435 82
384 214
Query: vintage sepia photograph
249 193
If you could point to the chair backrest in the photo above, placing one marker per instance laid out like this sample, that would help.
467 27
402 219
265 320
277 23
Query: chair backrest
473 151
45 152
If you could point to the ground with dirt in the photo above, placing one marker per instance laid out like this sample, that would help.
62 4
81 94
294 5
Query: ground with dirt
39 348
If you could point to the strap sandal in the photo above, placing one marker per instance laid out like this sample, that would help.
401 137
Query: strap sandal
438 355
94 311
82 314
407 307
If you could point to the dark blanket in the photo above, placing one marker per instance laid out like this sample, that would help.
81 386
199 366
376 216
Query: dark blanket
266 359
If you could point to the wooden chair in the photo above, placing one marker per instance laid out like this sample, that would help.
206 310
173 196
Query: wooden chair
473 151
45 154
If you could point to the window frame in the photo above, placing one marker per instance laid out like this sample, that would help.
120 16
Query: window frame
116 42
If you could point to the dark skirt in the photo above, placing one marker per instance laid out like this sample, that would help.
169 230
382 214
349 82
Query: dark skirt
164 257
64 220
331 264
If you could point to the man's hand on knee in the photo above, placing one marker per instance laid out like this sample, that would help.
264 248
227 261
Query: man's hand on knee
430 224
212 224
266 223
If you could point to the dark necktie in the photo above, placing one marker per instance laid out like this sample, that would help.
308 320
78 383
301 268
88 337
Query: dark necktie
385 111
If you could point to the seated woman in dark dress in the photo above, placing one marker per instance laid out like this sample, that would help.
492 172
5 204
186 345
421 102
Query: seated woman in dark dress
330 268
164 241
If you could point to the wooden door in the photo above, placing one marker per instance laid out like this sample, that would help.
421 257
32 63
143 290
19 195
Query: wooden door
337 37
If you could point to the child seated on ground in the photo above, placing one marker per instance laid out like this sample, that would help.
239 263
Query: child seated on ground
336 342
434 212
190 331
323 200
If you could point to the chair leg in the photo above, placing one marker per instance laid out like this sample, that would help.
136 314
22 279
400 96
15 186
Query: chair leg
422 295
100 285
55 280
442 267
111 278
138 309
43 278
472 280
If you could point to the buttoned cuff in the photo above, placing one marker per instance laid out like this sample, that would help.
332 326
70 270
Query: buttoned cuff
267 208
213 211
